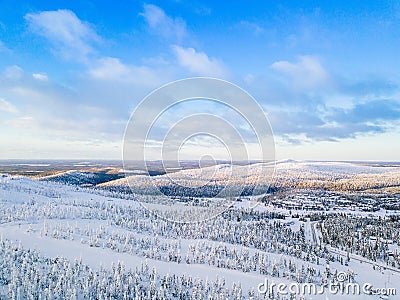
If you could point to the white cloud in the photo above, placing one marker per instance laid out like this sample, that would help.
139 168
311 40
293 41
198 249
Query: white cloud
306 73
199 63
22 122
162 24
111 68
7 106
40 76
249 78
69 35
13 73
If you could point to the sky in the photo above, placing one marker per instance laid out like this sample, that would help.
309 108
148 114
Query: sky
326 74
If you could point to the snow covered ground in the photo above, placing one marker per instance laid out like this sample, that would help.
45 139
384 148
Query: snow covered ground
241 248
343 176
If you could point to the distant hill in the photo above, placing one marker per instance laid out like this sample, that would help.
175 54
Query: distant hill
335 176
90 177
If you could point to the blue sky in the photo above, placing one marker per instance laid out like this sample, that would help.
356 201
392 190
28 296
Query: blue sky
327 74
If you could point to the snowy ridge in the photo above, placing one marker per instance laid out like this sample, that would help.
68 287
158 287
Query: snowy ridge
329 175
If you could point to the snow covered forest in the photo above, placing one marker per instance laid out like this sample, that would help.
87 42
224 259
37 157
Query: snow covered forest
64 241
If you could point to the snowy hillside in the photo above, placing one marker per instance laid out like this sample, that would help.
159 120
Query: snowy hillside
84 177
338 176
65 242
